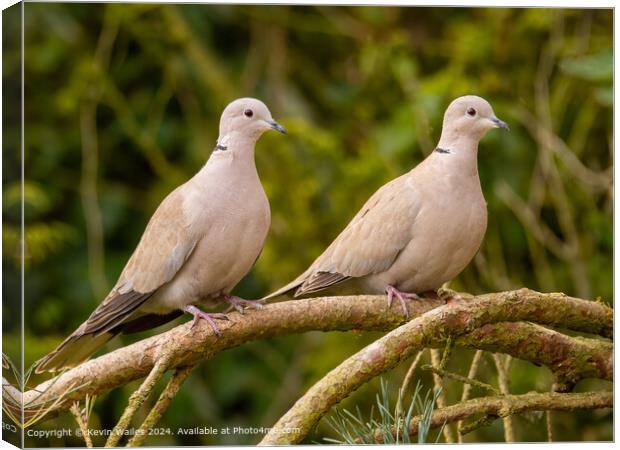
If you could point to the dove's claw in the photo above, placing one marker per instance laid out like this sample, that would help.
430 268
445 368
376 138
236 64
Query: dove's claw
198 314
241 304
392 292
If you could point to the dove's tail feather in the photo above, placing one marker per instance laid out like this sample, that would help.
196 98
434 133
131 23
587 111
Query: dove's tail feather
310 282
105 322
292 285
75 349
283 290
78 347
319 281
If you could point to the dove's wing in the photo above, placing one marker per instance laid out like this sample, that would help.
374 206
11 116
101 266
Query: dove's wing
163 249
369 244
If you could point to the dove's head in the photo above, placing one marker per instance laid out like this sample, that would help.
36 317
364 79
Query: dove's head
469 117
247 118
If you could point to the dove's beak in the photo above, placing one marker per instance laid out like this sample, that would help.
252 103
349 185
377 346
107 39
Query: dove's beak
276 126
500 123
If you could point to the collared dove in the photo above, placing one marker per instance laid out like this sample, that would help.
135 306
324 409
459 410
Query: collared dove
201 241
419 230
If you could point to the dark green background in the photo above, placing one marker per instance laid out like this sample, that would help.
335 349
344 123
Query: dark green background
362 92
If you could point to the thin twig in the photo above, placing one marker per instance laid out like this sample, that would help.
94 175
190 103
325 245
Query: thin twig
484 421
169 392
455 376
549 420
26 414
506 405
410 372
406 382
471 375
447 352
441 398
502 378
138 397
79 418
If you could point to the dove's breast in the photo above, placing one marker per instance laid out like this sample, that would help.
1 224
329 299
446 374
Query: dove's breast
445 235
230 222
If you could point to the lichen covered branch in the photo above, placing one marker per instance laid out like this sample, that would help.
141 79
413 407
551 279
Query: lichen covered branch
472 319
171 389
426 330
502 406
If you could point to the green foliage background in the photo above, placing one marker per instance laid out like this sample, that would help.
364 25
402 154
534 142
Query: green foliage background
122 104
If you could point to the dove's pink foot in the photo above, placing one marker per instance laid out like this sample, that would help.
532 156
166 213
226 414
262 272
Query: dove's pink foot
240 304
392 292
198 314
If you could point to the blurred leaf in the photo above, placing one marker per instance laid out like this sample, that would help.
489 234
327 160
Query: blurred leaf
597 67
605 96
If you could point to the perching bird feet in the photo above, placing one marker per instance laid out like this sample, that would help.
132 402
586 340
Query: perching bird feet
392 292
241 304
199 314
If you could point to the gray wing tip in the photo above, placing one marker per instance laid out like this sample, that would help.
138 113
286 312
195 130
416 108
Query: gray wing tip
319 281
48 363
73 351
52 361
283 290
275 294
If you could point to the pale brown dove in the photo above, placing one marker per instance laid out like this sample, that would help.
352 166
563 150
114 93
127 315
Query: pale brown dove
419 230
201 241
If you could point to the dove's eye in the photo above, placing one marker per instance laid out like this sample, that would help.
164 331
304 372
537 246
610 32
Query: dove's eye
471 112
248 113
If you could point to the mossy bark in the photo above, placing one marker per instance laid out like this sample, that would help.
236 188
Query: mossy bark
493 408
452 319
195 344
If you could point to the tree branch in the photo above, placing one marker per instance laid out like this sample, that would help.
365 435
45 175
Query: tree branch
455 376
139 396
440 389
424 331
363 313
171 389
502 365
570 359
77 414
199 343
507 405
473 369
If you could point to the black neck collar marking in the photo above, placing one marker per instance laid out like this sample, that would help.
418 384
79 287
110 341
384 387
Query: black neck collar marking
442 150
220 147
